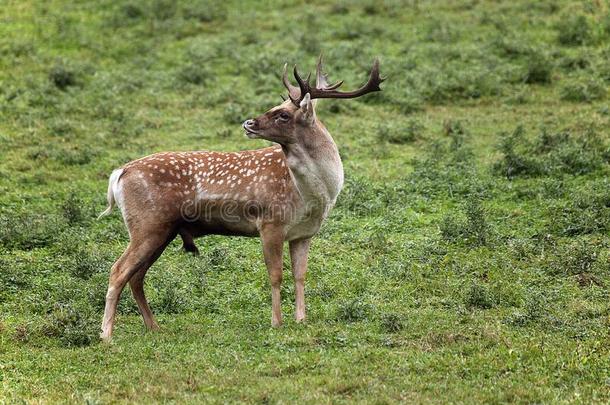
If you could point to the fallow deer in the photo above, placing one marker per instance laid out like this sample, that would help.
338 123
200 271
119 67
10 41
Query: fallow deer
280 193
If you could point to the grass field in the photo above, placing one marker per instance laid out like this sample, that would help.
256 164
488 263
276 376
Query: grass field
467 260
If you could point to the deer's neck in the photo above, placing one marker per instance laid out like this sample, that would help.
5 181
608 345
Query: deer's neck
316 169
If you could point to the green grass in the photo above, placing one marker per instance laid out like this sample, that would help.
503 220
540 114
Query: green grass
467 259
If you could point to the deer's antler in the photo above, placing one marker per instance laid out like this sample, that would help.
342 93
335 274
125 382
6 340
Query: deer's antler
323 90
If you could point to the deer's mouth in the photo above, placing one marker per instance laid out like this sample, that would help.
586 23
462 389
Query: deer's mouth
250 133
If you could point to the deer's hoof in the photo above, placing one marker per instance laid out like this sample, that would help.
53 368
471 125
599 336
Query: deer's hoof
106 339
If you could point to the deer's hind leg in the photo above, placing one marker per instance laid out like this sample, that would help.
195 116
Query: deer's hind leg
141 253
136 283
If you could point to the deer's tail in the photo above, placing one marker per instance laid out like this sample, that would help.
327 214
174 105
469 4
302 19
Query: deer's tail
113 184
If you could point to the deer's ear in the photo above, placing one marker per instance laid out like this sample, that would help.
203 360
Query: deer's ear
307 108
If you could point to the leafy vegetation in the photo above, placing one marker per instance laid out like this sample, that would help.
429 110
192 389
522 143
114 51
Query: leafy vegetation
466 260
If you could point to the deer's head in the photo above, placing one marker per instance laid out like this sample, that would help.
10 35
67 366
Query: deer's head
295 118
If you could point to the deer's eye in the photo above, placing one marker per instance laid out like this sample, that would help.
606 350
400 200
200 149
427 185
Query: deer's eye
283 116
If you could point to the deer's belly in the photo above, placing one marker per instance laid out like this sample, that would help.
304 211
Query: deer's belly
202 228
220 218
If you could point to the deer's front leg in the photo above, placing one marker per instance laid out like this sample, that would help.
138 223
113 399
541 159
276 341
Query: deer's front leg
299 251
273 241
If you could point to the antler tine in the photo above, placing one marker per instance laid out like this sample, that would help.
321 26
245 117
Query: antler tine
334 86
322 78
293 91
304 86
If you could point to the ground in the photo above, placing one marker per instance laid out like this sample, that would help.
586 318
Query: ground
467 258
